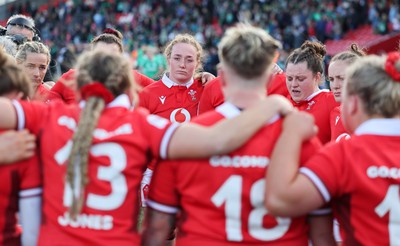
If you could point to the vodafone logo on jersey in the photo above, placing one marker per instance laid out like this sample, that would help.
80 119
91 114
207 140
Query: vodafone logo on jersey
180 115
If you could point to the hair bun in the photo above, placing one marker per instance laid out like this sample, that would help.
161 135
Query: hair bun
356 50
114 32
316 46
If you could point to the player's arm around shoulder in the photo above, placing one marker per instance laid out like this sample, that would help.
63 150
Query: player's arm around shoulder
226 135
286 190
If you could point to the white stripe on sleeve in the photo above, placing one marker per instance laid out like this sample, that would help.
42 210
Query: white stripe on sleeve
317 182
20 114
166 139
161 207
30 192
321 211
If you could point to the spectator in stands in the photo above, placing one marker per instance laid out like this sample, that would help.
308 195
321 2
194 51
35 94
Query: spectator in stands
157 22
150 63
22 25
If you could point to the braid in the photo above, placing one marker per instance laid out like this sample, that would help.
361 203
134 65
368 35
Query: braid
79 156
113 71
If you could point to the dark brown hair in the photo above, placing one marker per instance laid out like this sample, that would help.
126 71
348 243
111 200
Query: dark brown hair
109 39
312 53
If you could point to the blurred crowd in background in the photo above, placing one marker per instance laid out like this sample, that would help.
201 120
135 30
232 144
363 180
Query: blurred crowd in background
147 25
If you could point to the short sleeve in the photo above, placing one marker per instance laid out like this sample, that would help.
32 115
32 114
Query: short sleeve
31 115
31 184
325 170
163 195
211 97
309 149
158 132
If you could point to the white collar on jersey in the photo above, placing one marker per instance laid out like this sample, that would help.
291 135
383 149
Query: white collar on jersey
228 110
120 101
383 127
169 83
315 94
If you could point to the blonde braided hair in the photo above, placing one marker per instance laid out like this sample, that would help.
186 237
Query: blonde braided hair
113 71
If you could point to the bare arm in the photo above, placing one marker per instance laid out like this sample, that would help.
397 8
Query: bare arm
8 119
226 135
288 192
16 146
158 227
321 230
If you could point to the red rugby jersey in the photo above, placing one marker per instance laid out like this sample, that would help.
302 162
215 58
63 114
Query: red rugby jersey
172 101
319 104
361 177
18 181
122 140
220 199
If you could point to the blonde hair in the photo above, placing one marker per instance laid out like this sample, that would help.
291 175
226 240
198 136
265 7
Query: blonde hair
367 79
114 72
13 79
350 55
32 47
186 39
248 50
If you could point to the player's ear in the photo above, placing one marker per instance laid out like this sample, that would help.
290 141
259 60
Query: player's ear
353 104
221 75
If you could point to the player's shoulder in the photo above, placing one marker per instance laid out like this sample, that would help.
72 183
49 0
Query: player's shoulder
337 109
157 85
146 118
328 96
216 82
208 118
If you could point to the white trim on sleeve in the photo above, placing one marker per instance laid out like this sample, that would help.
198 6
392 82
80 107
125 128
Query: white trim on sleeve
166 139
162 207
30 192
228 110
322 211
20 114
317 182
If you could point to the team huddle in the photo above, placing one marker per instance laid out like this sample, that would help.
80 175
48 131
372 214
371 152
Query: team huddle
254 156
